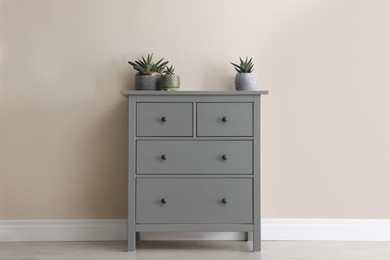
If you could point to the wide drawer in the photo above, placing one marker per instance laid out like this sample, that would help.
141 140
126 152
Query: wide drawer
164 119
194 157
194 200
224 119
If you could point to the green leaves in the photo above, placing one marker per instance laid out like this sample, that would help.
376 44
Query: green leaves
244 66
158 66
147 65
169 70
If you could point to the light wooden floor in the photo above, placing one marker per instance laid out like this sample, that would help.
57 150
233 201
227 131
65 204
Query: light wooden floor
191 250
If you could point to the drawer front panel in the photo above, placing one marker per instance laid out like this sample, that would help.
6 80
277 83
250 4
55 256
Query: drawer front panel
164 119
194 157
224 119
194 200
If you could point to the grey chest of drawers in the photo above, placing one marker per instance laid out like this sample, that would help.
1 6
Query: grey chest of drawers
194 162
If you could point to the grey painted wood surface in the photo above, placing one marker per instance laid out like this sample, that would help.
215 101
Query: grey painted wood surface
185 183
194 227
189 201
193 93
256 234
224 119
164 119
192 157
131 234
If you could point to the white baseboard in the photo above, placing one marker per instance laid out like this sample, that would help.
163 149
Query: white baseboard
272 229
63 230
326 229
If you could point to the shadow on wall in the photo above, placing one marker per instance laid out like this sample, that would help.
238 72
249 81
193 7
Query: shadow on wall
63 133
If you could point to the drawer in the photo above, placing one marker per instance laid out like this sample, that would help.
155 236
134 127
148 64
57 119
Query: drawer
194 200
164 119
194 157
224 119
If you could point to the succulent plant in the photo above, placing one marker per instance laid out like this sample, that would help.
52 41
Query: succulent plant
144 66
169 70
244 66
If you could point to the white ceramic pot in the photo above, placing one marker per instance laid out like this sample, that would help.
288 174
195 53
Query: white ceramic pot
246 81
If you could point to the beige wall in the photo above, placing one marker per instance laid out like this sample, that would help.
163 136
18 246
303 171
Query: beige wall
326 63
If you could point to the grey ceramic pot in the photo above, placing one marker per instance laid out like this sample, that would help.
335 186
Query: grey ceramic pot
147 82
246 81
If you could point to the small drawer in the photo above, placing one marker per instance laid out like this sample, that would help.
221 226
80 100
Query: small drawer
164 119
224 119
194 157
194 200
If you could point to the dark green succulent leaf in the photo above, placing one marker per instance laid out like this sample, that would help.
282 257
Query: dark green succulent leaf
139 63
169 70
245 66
158 62
140 69
143 61
144 65
149 58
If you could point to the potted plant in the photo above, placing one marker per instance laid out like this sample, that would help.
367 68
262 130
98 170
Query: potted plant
170 81
149 72
245 78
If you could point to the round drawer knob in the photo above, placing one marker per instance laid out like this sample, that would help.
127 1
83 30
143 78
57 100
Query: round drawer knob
163 119
224 157
224 201
225 119
163 157
164 201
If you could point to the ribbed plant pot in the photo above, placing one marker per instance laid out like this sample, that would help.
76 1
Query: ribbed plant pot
147 81
246 81
170 82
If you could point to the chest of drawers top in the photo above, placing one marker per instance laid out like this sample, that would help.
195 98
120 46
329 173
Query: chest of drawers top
192 93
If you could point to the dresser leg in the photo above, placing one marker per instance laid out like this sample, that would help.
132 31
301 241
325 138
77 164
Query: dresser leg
131 242
249 236
256 241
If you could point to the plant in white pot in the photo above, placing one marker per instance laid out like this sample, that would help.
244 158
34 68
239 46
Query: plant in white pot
170 81
149 72
245 78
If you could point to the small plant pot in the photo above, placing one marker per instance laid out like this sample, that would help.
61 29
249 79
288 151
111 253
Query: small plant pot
245 81
147 81
170 82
